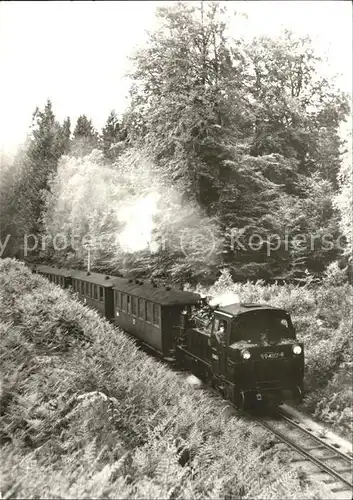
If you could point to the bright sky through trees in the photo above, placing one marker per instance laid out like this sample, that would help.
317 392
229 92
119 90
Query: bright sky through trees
76 53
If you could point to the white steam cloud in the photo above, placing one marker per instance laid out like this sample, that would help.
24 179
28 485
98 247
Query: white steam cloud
138 218
225 299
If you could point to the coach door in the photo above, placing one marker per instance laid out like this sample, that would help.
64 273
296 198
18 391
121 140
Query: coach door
109 303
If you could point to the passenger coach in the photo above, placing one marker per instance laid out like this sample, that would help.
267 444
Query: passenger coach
58 275
151 313
95 290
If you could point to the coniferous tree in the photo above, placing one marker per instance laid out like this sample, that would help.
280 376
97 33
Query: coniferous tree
36 165
65 136
112 134
85 137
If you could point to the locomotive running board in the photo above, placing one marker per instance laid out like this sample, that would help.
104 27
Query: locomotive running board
191 355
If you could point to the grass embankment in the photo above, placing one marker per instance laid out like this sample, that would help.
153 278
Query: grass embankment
323 317
85 414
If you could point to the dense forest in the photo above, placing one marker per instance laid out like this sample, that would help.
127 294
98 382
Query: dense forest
230 155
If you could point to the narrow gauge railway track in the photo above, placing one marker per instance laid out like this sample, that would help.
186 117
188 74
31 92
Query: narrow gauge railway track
336 465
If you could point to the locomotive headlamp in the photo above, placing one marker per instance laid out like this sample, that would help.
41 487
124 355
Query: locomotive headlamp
297 349
245 354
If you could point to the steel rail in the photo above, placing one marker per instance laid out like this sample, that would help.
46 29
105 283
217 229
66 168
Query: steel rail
326 445
324 467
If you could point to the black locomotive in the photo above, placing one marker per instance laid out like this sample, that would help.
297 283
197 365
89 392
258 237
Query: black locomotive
248 351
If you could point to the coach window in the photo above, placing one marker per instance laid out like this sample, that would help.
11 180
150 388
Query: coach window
118 300
141 309
156 314
101 294
149 311
95 291
123 302
128 304
134 306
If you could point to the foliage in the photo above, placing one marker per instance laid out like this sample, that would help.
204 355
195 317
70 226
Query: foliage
245 129
344 198
297 111
86 414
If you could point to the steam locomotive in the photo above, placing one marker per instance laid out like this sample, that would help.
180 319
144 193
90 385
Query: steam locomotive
248 351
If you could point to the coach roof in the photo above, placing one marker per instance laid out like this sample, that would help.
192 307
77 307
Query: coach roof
96 278
164 296
58 271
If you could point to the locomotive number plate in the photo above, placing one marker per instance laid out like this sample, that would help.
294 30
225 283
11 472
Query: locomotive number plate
272 355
